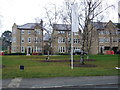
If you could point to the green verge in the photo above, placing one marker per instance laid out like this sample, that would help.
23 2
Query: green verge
34 69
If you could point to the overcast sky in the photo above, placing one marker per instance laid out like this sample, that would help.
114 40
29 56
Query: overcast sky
25 11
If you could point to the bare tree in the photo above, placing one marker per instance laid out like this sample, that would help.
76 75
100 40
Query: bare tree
89 11
52 17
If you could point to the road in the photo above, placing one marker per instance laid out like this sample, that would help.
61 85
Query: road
61 82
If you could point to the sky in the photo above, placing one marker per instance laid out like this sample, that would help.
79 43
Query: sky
25 11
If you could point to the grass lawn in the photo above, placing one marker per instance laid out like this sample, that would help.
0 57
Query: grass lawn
34 69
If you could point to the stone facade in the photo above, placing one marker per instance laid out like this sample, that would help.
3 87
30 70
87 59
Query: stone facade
108 37
61 39
105 37
27 38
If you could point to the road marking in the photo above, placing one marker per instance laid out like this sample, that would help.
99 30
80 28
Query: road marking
37 86
15 83
51 86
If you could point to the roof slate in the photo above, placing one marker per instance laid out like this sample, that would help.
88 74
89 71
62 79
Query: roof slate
61 27
29 26
99 25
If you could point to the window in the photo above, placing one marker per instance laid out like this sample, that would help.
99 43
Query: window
106 32
39 49
22 31
37 31
118 32
107 40
61 40
101 32
36 39
61 32
119 40
22 49
36 49
76 48
69 39
39 40
101 40
115 39
61 49
29 31
76 40
22 40
29 40
14 39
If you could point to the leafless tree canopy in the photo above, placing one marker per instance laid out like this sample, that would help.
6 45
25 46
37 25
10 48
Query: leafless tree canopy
89 11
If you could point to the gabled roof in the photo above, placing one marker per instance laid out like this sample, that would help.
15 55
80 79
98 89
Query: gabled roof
27 26
61 27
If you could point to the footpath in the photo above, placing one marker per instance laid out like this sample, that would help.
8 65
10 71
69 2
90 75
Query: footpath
58 82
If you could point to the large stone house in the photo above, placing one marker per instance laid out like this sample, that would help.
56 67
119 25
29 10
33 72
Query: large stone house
61 38
105 37
27 38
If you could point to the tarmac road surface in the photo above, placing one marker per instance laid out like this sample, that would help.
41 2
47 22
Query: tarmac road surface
63 82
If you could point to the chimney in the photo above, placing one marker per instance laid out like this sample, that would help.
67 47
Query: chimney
41 22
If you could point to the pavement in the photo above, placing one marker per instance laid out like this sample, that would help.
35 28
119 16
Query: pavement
62 82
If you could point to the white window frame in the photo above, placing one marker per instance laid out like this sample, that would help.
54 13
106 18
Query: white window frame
101 40
106 40
39 49
36 39
36 49
61 40
61 49
22 49
29 39
61 32
101 32
22 40
76 40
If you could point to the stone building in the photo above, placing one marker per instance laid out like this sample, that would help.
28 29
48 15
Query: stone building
27 38
105 37
61 38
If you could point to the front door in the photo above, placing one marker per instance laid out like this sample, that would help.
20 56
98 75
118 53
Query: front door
28 50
